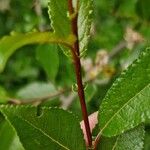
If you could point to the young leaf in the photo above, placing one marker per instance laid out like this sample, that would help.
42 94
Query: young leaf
84 22
131 140
53 129
47 55
127 103
58 13
9 44
60 21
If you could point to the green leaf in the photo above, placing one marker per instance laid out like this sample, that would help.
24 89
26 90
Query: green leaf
9 139
131 140
36 90
84 23
54 129
47 55
58 13
60 22
127 103
9 44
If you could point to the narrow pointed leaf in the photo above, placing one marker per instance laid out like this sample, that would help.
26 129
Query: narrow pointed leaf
53 129
60 22
127 103
84 22
9 44
58 13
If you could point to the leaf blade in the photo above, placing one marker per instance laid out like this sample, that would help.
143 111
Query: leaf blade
125 103
58 11
9 44
84 23
44 130
130 140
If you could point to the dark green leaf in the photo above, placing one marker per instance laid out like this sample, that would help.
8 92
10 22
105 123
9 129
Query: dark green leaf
54 129
147 138
143 9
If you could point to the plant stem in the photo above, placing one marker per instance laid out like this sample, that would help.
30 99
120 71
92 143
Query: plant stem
77 64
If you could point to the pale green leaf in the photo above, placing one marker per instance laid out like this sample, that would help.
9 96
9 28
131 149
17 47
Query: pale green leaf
54 129
127 103
9 44
84 22
36 90
131 140
47 55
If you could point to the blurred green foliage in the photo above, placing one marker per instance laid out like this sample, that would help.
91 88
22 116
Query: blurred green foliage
113 20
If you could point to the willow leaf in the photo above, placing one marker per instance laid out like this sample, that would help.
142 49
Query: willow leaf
84 23
127 103
58 13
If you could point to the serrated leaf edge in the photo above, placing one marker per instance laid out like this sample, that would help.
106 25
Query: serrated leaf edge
135 63
30 106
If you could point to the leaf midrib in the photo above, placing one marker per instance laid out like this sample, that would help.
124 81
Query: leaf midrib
121 109
45 134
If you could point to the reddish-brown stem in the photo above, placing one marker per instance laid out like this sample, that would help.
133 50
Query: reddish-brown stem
77 64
